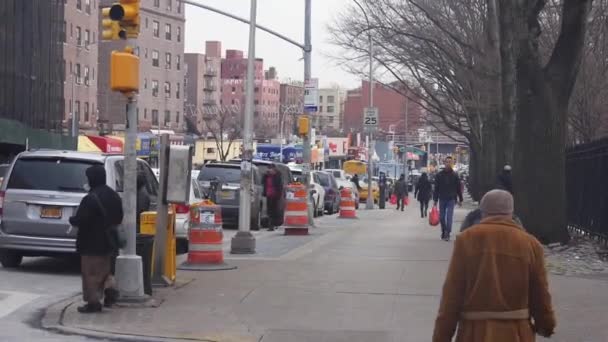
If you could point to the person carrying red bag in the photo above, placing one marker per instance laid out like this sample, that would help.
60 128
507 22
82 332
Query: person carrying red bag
447 191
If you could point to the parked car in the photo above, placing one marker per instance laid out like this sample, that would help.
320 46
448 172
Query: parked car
286 177
42 190
228 176
3 171
317 192
332 194
350 185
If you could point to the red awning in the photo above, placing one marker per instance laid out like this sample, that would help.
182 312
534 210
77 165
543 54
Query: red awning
107 144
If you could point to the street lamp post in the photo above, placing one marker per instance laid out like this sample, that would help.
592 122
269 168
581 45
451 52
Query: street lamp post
244 242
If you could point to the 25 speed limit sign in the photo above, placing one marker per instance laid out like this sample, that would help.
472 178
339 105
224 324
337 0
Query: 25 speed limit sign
370 118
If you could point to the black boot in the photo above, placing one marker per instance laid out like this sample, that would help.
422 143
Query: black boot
90 308
110 297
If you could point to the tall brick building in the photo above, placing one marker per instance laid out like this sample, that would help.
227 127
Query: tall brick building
160 47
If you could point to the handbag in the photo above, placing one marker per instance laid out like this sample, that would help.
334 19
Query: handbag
115 233
434 216
393 199
406 201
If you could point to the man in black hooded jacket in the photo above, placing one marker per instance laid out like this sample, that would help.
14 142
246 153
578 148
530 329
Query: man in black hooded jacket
98 211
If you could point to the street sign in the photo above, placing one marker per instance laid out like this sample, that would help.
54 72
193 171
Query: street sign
370 118
311 95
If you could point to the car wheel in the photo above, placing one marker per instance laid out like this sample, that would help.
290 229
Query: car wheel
10 259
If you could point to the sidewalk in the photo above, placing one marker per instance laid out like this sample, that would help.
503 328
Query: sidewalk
374 279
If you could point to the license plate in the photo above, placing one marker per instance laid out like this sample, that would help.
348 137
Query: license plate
227 195
51 212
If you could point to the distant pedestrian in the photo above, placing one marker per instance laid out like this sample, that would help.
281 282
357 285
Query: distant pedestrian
423 193
496 287
99 211
447 191
401 192
355 180
504 180
273 191
143 198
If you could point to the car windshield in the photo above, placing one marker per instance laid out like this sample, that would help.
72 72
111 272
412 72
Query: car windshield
226 174
50 174
324 179
196 189
337 174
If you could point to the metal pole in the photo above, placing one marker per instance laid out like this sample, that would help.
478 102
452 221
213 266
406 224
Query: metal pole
129 273
406 169
281 150
306 149
162 216
74 119
370 198
244 242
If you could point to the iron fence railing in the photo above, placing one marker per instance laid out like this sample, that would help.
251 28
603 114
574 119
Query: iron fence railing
587 189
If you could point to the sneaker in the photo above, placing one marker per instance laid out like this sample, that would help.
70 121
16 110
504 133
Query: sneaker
89 308
110 297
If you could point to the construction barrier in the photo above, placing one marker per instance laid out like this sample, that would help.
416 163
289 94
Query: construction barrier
347 204
296 210
205 239
147 226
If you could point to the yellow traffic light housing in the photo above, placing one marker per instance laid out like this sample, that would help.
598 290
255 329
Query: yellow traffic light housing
127 13
111 29
303 126
124 71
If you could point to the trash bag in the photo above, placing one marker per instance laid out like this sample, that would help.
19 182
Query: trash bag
434 216
393 199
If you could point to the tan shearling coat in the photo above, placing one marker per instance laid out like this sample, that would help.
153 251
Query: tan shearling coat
496 266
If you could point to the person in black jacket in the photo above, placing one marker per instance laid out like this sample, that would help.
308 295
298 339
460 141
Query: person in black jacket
98 211
423 194
447 191
504 180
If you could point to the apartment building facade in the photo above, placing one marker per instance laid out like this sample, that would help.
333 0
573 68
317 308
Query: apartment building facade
330 115
291 105
160 47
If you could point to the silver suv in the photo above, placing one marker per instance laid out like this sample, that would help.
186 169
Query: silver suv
41 190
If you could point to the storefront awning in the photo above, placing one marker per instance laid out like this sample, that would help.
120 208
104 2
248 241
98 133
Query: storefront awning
107 144
86 145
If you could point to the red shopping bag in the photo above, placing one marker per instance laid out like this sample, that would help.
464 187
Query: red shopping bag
393 199
434 216
406 201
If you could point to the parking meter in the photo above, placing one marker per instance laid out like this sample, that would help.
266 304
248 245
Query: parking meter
382 185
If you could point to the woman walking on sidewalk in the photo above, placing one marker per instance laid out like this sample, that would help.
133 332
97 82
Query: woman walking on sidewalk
423 194
496 288
401 192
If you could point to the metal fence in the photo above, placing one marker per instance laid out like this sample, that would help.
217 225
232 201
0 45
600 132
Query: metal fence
587 189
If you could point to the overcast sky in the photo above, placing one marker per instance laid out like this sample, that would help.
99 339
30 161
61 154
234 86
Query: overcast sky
284 16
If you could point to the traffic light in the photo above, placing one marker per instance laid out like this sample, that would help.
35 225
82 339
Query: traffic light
303 125
111 29
127 13
124 71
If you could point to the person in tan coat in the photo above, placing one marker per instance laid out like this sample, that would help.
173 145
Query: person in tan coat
496 288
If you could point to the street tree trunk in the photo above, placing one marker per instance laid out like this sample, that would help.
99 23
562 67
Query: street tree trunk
542 96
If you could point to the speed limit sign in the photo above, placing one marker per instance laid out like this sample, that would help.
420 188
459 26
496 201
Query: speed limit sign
370 118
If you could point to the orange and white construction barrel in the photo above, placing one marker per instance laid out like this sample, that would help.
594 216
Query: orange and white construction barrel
347 204
296 210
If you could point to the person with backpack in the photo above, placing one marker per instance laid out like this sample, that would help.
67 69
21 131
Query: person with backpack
99 212
423 194
273 191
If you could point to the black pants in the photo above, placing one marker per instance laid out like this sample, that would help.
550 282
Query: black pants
424 208
400 202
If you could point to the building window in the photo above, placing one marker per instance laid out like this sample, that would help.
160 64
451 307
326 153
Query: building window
79 5
78 80
156 28
155 88
320 108
145 83
86 112
167 60
321 99
168 31
177 91
71 30
169 5
179 7
155 61
210 150
146 22
179 34
77 110
78 36
93 74
64 33
86 75
330 99
256 89
178 62
155 117
87 6
167 117
167 89
146 53
145 113
177 117
330 109
256 102
233 90
87 39
156 3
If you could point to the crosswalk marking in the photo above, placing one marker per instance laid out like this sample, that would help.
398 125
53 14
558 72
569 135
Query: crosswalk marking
14 300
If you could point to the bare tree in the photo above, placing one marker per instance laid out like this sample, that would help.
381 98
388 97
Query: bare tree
224 127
